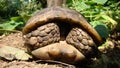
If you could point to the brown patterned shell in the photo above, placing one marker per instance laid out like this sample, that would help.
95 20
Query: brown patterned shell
62 14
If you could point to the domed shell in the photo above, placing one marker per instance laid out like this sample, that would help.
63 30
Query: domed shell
62 14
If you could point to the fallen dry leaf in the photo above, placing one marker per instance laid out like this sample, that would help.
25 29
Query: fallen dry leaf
11 53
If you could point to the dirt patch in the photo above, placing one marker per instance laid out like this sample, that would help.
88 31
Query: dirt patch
25 64
16 40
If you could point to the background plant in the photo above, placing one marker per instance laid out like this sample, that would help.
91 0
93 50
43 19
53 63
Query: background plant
15 13
102 14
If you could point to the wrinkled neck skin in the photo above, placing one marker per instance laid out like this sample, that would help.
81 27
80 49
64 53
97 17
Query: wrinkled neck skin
51 3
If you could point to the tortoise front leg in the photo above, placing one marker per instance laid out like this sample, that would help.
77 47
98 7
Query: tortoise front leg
43 35
81 40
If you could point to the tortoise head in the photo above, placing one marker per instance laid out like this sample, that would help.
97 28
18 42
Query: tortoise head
51 3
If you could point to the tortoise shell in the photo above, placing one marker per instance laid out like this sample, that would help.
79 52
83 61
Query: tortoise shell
58 13
46 29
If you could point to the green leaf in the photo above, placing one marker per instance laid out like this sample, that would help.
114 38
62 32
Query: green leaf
100 1
109 19
17 18
10 25
83 6
101 29
80 5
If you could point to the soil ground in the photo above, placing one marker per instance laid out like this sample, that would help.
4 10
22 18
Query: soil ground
16 40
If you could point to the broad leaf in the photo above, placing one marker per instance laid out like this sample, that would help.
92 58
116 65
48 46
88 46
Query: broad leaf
10 25
83 6
109 19
17 18
100 1
101 29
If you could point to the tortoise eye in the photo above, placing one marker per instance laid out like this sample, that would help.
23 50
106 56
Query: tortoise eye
81 40
44 35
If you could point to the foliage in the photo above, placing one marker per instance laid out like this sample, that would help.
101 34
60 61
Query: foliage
10 8
10 25
103 15
98 12
107 16
14 13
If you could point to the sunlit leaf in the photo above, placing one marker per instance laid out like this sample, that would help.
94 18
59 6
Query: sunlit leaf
17 18
10 25
100 1
83 6
109 19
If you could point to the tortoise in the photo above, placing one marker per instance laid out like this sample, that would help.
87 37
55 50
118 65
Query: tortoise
60 33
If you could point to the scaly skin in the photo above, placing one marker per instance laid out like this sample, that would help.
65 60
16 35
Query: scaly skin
44 32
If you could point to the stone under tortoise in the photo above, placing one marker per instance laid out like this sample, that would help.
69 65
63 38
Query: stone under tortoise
62 34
